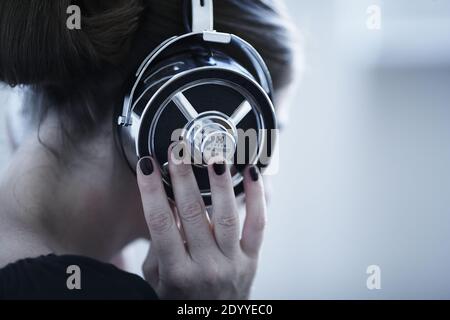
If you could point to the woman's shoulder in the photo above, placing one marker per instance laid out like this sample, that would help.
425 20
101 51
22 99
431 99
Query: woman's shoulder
70 277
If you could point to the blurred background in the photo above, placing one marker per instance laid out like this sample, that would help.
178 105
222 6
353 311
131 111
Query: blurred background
364 173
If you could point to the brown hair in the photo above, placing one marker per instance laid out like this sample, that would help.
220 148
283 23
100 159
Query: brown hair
81 73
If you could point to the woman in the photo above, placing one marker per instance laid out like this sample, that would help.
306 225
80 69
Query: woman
68 199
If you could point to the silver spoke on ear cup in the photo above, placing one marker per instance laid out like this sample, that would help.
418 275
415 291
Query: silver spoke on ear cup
185 106
241 112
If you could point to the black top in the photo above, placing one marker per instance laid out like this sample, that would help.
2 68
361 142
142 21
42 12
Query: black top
57 277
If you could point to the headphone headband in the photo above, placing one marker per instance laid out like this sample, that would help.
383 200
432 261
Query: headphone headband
202 15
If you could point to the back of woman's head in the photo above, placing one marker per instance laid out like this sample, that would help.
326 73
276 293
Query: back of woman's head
81 74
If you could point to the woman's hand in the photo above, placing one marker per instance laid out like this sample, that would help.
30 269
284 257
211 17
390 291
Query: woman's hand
198 258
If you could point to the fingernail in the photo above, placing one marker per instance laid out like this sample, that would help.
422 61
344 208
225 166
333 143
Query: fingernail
219 168
254 173
146 166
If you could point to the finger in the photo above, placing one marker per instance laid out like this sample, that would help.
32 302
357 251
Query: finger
190 206
179 225
166 238
225 214
150 269
255 219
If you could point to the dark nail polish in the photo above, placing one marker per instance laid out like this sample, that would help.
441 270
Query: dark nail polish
219 168
254 173
146 166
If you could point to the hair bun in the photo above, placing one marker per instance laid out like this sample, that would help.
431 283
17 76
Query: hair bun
37 47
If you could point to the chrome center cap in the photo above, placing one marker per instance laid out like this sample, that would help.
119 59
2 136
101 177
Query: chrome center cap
212 138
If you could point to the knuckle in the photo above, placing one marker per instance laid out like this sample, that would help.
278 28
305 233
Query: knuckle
222 184
148 186
191 211
160 221
183 170
211 276
179 279
260 223
229 221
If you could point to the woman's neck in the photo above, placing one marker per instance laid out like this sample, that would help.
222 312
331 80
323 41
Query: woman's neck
67 207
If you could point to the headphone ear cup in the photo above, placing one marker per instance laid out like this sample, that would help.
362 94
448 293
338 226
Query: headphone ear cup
204 93
252 61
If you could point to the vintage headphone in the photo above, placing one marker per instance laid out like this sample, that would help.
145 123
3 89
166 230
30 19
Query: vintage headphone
207 87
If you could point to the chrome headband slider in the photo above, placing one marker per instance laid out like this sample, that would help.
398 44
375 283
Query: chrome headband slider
202 15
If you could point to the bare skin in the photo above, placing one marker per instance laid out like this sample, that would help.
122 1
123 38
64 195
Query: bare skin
89 203
85 203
